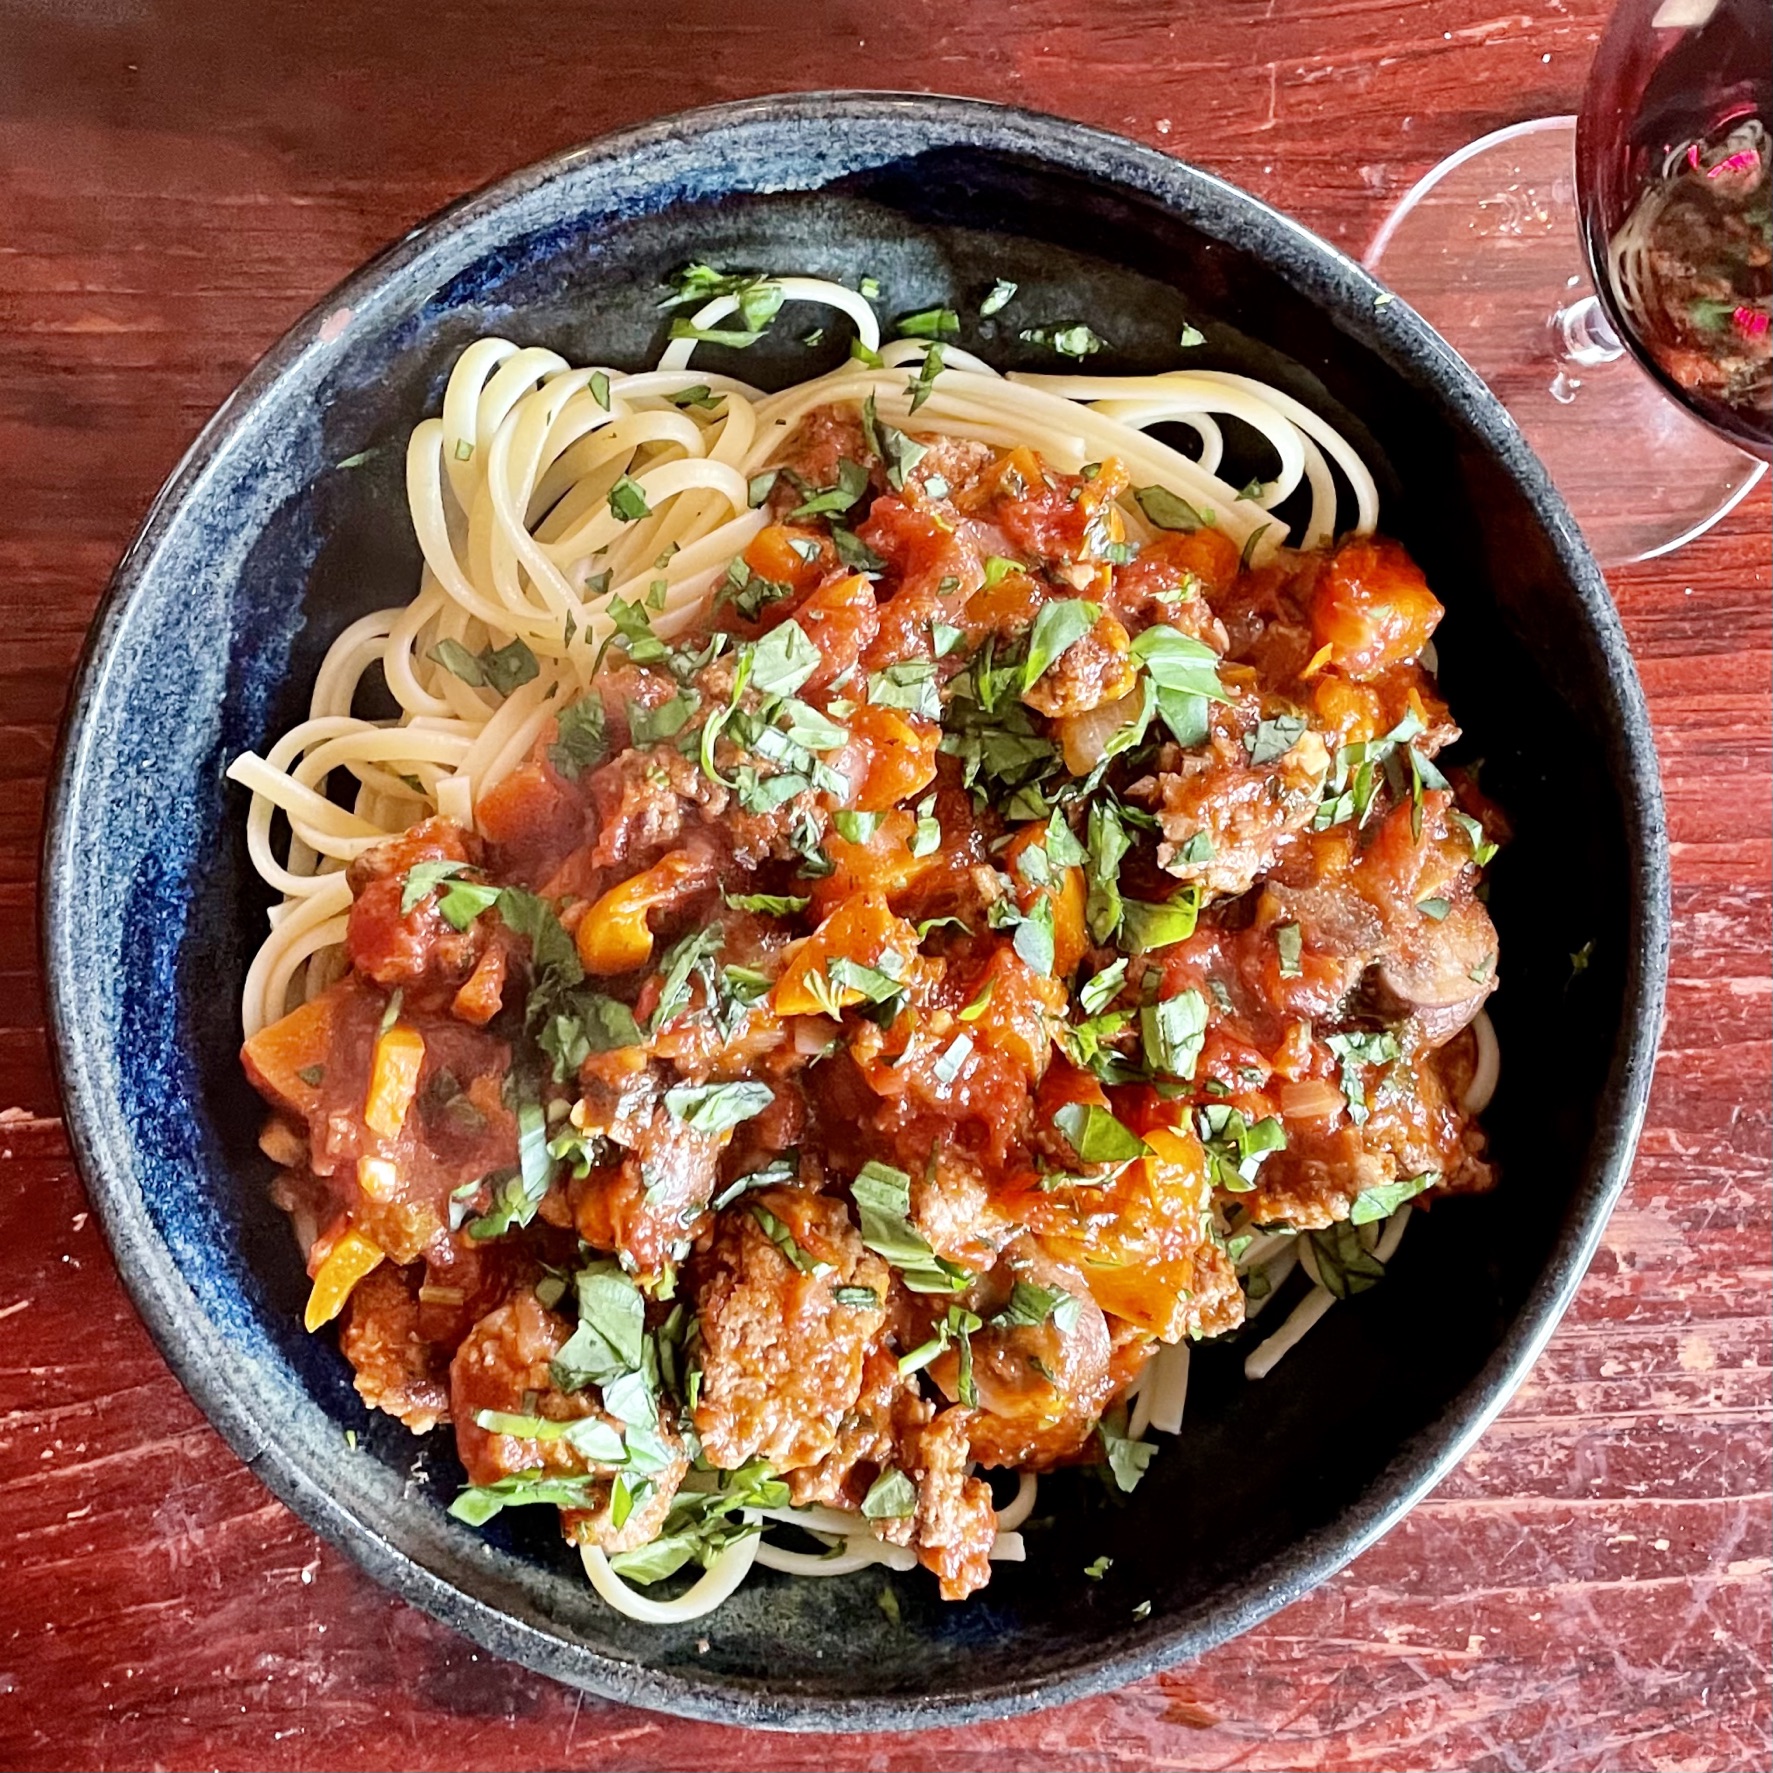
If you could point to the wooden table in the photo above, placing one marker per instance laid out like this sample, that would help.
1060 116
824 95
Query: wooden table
177 184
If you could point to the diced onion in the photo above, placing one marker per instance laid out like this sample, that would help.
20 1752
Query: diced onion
1311 1098
1084 737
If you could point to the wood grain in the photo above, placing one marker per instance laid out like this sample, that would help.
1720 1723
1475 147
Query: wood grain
178 182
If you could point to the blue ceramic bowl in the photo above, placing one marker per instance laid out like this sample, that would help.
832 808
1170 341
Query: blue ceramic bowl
263 545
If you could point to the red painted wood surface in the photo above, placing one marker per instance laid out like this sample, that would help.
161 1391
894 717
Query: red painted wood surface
177 183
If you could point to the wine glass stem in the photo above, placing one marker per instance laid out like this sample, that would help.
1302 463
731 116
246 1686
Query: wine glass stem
1585 336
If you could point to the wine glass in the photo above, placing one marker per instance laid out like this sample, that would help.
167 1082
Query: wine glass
1611 276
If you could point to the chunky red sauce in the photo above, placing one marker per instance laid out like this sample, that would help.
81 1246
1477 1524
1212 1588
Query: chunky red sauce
862 1017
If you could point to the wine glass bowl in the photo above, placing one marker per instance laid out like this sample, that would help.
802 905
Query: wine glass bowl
1674 179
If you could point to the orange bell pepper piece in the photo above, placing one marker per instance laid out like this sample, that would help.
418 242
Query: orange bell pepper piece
393 1078
614 935
900 755
862 929
351 1257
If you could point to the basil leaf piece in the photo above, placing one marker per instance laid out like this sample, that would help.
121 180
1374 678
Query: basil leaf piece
1174 1030
1273 739
1058 627
910 685
891 1497
1345 1266
461 901
1168 510
1290 939
851 483
479 1503
883 1208
997 298
1384 1198
1075 340
785 1241
716 1108
1126 1459
1191 336
1030 1306
627 501
1180 663
1096 1136
929 323
508 667
768 904
1101 989
589 1436
422 879
897 453
516 1196
1145 927
456 658
581 741
783 660
610 1340
1235 1146
652 726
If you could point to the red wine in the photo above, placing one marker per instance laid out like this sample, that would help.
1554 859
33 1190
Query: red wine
1674 160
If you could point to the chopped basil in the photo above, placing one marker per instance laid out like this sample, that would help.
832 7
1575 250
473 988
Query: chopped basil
953 1059
1345 1266
1173 1031
783 660
1482 850
851 483
1058 627
704 335
1289 939
998 568
610 1341
1097 1568
312 1075
926 834
910 685
1075 340
857 1298
891 1497
1273 739
1145 926
422 879
784 1240
478 1503
1101 989
976 1008
868 288
517 1194
1384 1198
1031 931
1357 1051
461 901
502 668
997 298
581 741
929 323
1249 548
760 486
897 453
883 1207
1236 1146
856 827
582 1023
1096 1136
590 1436
1191 336
715 1108
778 1172
689 958
1108 844
864 354
854 552
1126 1458
923 384
768 904
1179 662
1433 909
1030 1306
651 726
627 501
1168 510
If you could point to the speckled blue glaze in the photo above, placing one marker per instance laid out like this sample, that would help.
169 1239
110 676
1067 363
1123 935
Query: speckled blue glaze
261 548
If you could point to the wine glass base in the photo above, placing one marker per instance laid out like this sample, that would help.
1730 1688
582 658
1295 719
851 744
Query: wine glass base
1487 249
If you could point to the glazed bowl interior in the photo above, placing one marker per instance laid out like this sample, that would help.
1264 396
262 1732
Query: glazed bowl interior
288 521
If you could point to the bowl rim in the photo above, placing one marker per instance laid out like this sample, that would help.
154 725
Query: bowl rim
184 1333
